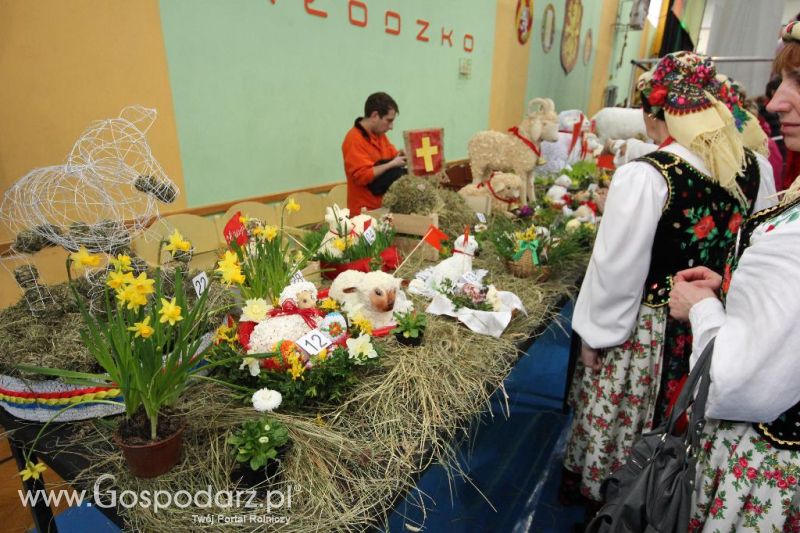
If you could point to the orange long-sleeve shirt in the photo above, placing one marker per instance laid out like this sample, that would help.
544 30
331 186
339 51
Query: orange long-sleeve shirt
361 150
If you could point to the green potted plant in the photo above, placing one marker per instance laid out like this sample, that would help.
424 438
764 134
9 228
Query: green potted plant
149 341
410 328
258 444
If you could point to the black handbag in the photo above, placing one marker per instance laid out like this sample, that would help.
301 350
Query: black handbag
381 184
652 492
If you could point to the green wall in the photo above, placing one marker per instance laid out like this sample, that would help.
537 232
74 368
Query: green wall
627 74
545 75
264 92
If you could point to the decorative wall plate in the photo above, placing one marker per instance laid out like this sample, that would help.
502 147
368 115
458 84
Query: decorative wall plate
548 27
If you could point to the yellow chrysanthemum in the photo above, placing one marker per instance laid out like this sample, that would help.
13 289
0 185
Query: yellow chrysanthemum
170 312
32 470
329 304
292 206
82 258
118 279
362 323
143 329
177 243
131 298
122 263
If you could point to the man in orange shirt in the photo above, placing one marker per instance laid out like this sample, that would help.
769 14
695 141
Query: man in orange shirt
371 162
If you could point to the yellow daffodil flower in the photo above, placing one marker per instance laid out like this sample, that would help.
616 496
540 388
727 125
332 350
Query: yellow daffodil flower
82 258
32 470
340 244
231 274
143 285
143 329
131 298
266 233
118 279
244 219
292 206
225 333
297 367
229 259
170 312
122 263
177 243
322 355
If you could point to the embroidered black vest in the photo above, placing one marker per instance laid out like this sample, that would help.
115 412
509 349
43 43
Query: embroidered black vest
784 431
698 224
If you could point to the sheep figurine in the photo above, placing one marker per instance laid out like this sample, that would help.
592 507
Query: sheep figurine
289 323
375 295
503 188
458 264
517 151
568 148
362 222
619 123
339 226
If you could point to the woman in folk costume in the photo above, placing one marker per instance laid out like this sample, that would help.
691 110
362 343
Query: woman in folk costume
749 461
677 207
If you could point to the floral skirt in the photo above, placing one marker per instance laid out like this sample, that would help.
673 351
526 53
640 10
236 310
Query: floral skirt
614 406
743 483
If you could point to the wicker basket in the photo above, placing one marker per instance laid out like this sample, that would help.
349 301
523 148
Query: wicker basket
524 267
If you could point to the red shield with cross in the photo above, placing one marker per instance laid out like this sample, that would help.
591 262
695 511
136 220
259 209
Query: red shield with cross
425 151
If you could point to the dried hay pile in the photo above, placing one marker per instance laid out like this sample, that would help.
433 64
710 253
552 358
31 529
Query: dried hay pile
348 464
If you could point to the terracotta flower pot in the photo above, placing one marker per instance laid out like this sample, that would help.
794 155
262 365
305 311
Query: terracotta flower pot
152 459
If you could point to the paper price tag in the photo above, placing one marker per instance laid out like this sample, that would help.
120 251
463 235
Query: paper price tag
314 342
297 278
370 235
470 278
200 283
481 218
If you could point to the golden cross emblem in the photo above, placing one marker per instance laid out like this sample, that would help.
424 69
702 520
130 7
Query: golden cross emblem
426 152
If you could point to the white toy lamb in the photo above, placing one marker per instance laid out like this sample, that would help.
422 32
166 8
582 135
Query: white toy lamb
339 226
375 295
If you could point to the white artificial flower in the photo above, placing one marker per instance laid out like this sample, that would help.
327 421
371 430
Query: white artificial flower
253 364
480 227
255 310
493 298
266 400
573 225
361 349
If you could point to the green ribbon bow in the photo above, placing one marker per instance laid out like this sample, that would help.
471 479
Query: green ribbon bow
528 245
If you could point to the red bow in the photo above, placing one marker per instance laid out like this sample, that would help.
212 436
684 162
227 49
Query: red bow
488 184
290 308
515 132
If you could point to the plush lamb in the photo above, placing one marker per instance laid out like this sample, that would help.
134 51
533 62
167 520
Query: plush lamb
567 149
339 226
288 326
458 264
503 188
375 295
362 222
619 123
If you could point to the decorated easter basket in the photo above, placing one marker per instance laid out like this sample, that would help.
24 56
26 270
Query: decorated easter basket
524 267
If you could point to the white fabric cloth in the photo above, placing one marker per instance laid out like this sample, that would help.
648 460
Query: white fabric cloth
754 367
609 300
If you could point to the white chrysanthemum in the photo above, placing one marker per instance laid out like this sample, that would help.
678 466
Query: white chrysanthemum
255 310
361 349
266 400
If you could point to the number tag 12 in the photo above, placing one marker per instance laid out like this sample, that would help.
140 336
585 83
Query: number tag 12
314 342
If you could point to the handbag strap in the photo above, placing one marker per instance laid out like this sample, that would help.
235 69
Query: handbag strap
699 379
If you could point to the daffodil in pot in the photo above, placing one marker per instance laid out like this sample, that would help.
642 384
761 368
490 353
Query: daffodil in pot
149 343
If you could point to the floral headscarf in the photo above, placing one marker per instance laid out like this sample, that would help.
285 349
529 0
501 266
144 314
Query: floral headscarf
685 86
753 135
